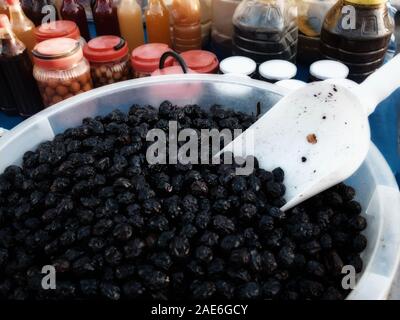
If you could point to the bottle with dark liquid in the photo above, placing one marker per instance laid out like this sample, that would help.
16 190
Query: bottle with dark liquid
265 30
7 104
360 44
17 69
38 14
106 18
26 6
74 11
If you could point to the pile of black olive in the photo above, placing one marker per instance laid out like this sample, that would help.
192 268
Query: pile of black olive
115 227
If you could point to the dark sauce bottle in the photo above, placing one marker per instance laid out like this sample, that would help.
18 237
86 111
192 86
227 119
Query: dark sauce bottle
265 30
106 18
363 47
26 6
7 104
16 68
74 11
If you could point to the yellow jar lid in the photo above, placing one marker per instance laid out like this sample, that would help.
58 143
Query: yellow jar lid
367 2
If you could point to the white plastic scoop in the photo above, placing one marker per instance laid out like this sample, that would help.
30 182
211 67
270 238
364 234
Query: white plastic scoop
319 134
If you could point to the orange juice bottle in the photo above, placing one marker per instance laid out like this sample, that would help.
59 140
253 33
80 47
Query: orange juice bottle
187 25
157 23
21 25
130 23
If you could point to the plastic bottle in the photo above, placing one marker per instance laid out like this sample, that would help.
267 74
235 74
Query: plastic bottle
131 23
222 27
106 18
266 30
206 14
58 4
74 11
26 6
39 12
16 69
7 104
311 15
157 23
3 7
186 25
21 25
361 44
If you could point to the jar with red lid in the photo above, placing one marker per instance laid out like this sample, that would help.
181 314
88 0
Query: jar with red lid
58 29
145 59
200 61
60 70
109 60
180 67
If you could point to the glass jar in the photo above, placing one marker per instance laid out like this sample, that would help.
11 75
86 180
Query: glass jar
109 60
266 30
180 67
200 61
146 59
60 70
59 29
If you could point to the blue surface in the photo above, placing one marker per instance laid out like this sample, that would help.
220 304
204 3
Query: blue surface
9 122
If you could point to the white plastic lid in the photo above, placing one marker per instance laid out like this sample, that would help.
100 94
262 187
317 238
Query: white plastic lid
238 65
291 84
277 70
329 69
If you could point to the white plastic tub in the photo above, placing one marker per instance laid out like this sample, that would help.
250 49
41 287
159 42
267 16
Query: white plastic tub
2 132
375 184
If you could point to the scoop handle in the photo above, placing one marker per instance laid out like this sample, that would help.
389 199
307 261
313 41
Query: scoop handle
380 84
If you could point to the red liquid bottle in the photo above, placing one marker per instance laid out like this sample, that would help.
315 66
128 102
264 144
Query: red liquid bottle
39 13
106 18
26 6
74 11
17 70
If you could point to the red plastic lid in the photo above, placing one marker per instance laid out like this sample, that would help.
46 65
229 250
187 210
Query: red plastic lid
200 61
57 53
57 29
147 57
105 49
4 21
171 70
